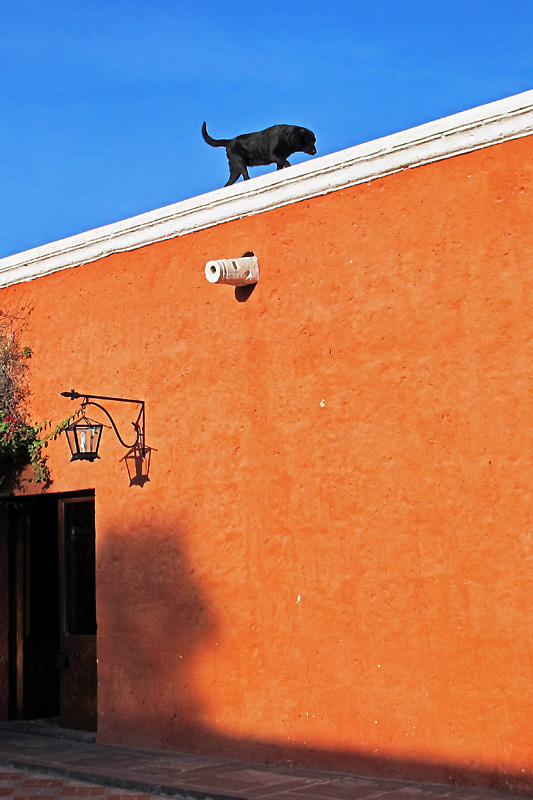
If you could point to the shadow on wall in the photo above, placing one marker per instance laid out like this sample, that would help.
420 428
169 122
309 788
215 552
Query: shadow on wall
153 624
137 462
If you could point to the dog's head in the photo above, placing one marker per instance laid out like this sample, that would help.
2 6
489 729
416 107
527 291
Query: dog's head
307 142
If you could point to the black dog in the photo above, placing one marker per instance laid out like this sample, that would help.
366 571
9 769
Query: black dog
271 146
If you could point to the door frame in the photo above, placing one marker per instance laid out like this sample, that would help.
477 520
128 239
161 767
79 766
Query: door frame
18 586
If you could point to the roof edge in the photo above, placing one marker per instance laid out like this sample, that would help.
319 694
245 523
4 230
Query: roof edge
480 127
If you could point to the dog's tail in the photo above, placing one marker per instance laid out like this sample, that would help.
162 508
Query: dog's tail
211 141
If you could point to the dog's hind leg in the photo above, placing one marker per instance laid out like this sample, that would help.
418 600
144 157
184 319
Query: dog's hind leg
234 176
237 167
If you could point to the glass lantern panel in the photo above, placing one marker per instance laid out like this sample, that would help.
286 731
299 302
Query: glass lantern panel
87 438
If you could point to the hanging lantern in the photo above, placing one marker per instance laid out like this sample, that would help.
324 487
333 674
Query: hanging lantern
83 437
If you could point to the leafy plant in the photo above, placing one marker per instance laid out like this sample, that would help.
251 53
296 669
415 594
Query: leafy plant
21 441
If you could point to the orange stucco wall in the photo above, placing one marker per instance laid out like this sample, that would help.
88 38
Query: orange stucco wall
332 560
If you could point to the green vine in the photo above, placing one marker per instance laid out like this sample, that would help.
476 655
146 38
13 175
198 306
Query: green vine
21 441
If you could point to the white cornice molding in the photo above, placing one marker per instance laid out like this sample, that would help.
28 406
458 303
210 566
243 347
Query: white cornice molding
461 133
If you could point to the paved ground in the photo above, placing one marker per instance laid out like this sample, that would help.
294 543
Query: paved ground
37 764
19 785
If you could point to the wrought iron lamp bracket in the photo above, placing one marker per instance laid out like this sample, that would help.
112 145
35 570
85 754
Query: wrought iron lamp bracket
139 425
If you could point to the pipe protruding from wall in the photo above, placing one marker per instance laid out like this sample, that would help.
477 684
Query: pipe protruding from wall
234 271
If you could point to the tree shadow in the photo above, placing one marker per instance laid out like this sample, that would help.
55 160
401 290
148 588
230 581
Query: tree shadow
154 621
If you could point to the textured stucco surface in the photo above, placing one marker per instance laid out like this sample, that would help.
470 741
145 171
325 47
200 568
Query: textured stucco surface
331 561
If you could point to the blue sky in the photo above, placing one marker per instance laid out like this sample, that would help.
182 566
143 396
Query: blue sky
102 101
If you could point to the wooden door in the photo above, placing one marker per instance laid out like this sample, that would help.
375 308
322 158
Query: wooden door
77 598
34 590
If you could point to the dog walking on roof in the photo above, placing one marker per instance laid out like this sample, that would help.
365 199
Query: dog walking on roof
271 146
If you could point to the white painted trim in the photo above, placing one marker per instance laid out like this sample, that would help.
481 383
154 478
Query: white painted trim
461 133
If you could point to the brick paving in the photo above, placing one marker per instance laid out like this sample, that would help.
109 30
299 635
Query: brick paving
38 763
22 785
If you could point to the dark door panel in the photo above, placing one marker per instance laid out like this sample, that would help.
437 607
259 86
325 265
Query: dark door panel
35 581
78 684
53 610
77 660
